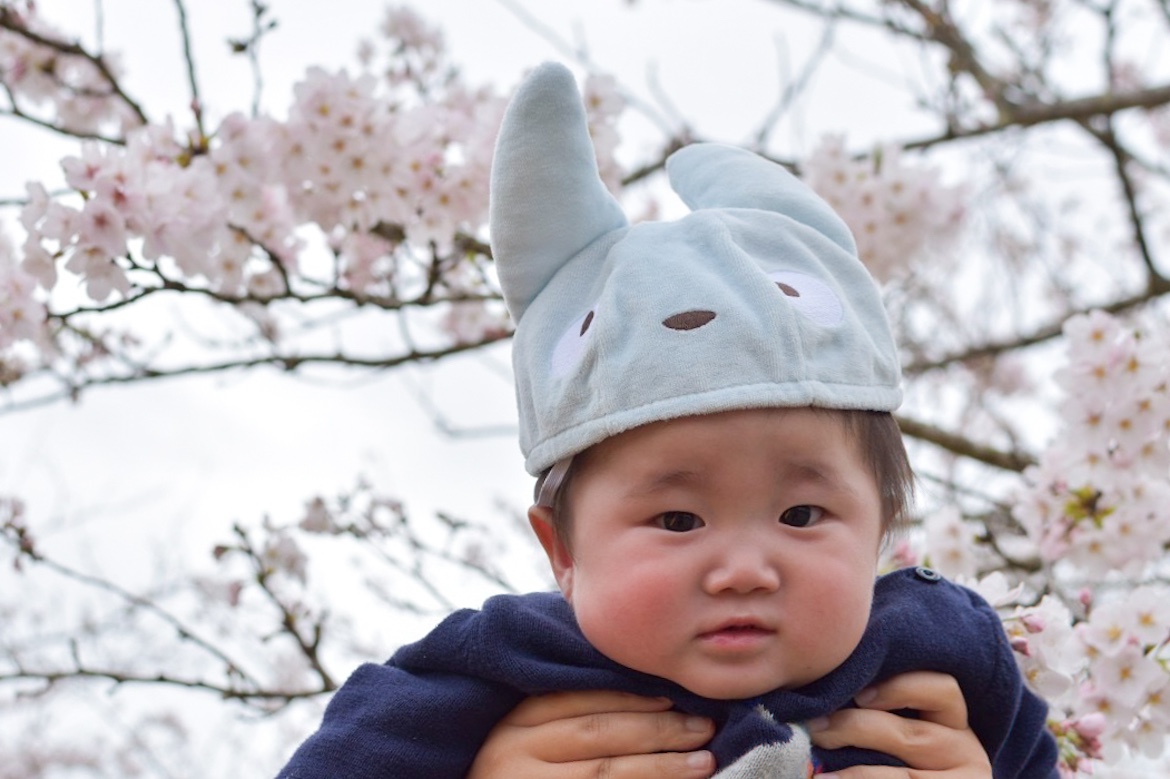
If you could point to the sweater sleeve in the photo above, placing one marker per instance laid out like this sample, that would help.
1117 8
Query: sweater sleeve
922 622
385 721
428 710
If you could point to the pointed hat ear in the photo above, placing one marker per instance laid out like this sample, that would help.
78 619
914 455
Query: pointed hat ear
547 199
711 175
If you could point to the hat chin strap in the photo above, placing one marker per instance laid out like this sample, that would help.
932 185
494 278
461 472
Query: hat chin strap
547 494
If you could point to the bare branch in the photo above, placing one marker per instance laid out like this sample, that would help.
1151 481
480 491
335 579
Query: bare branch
192 81
9 21
839 11
16 113
227 692
137 601
1078 110
1155 281
250 47
289 620
1037 336
796 86
287 362
964 447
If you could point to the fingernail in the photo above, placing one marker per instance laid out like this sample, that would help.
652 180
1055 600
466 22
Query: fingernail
703 760
818 724
866 696
698 724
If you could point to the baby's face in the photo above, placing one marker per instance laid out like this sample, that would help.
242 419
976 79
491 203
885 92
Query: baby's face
731 553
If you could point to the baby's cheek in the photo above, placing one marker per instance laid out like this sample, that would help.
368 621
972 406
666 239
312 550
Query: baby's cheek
849 602
633 624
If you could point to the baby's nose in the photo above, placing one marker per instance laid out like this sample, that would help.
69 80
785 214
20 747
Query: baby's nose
745 569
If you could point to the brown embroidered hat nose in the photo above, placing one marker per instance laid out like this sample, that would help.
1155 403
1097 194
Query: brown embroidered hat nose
688 320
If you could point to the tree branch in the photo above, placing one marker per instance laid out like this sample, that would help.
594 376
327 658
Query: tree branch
11 22
964 447
288 618
1039 335
25 547
120 677
1078 110
287 362
1155 281
192 81
16 113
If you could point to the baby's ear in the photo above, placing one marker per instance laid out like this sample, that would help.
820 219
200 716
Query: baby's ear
540 517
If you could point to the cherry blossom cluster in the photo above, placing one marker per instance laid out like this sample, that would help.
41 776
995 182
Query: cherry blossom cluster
1099 500
898 212
147 192
391 170
21 315
1095 509
44 70
1101 666
1103 672
1128 683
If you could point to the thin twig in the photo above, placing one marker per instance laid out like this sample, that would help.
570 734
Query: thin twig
120 677
184 632
16 113
1155 281
258 31
289 620
192 80
797 86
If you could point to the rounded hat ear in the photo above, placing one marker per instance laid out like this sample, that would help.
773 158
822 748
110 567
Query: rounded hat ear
547 198
712 175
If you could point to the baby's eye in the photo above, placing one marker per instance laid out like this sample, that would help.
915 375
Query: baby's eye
678 521
802 516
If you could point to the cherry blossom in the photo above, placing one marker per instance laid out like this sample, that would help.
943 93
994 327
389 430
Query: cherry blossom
898 212
66 87
950 543
22 317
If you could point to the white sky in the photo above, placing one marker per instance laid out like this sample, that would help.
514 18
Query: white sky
177 462
198 454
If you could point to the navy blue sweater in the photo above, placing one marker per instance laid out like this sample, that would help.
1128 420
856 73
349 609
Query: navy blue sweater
427 711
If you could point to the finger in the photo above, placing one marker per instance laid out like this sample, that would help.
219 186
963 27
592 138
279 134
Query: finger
871 772
918 743
506 765
936 697
562 705
691 765
891 772
876 772
617 734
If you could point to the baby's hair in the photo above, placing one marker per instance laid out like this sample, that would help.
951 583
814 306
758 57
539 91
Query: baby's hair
876 433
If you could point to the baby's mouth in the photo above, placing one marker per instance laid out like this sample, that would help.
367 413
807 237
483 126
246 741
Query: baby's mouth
737 633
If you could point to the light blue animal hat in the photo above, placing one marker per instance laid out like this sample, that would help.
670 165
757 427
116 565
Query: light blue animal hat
754 299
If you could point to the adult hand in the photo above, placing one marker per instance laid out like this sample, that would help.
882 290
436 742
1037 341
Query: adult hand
582 735
938 745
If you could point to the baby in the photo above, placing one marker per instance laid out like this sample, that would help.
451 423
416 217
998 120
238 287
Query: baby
707 403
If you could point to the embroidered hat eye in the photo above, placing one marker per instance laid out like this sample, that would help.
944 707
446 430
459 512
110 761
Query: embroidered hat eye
688 320
810 296
571 346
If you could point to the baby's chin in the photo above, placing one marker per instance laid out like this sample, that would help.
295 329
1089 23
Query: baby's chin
732 691
726 684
